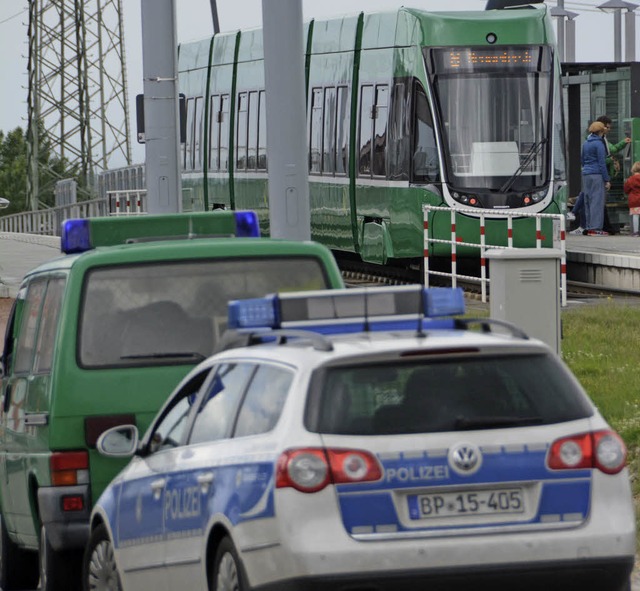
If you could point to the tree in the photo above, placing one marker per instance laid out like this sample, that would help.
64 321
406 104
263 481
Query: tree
14 170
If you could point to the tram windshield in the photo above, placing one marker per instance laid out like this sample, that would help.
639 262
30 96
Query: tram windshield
493 105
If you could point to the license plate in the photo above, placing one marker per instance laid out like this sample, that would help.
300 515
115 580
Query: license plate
464 504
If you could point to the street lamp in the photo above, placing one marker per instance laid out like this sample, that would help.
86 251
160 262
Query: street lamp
4 203
616 7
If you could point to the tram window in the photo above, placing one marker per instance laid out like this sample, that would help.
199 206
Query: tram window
425 152
262 131
214 132
224 133
252 150
197 134
366 107
342 131
381 115
399 141
241 141
329 135
315 132
187 163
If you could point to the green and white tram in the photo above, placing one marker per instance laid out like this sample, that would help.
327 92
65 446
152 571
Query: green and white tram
405 108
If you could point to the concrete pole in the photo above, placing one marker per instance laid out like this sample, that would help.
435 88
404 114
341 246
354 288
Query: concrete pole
214 16
289 215
630 36
161 110
570 55
617 35
561 36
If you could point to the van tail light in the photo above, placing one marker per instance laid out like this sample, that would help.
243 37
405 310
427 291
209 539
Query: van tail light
69 468
313 468
603 450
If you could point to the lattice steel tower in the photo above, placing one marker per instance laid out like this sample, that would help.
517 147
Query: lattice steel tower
77 89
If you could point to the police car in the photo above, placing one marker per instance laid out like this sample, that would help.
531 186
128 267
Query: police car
368 440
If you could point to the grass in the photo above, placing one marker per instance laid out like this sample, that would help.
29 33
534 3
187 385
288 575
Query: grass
601 345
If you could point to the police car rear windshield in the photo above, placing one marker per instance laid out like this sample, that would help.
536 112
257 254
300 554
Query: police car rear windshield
456 395
148 314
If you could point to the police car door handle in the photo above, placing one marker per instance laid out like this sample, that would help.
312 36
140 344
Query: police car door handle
205 480
157 486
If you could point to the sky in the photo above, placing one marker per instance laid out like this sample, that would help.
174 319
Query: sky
594 37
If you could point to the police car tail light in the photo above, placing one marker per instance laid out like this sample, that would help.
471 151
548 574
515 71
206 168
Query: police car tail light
69 468
603 450
306 470
312 469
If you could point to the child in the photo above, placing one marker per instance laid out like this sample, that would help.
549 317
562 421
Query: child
632 189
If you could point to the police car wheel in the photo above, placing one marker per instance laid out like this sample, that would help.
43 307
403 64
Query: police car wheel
99 571
227 574
18 568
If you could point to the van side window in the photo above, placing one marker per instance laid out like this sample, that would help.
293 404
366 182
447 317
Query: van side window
49 325
29 326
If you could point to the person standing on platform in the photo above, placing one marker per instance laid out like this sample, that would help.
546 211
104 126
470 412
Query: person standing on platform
613 164
595 179
632 190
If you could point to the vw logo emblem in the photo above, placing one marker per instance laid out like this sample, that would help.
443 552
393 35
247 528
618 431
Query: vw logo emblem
465 458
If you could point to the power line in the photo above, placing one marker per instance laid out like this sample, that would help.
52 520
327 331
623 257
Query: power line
6 20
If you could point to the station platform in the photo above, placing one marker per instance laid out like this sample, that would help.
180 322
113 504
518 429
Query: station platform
611 262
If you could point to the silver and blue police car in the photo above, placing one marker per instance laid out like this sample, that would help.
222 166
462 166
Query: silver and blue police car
364 440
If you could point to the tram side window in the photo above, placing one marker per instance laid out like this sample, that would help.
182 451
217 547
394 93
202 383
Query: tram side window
262 131
214 132
425 151
252 148
374 114
187 162
241 140
400 133
197 134
329 135
225 101
315 131
342 131
366 106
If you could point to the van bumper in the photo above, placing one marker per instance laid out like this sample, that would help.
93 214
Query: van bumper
66 530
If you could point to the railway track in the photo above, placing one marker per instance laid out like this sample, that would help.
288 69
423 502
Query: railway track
357 274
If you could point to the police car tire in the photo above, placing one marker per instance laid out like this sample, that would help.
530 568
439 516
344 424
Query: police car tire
98 536
59 571
18 568
227 556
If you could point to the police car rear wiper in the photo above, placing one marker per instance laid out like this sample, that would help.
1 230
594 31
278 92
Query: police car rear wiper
181 355
465 423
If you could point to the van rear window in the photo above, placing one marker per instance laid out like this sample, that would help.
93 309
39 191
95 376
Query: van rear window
172 313
455 395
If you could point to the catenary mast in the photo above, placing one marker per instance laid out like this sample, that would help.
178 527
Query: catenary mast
77 91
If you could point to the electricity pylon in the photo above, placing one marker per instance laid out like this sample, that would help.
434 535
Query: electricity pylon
77 100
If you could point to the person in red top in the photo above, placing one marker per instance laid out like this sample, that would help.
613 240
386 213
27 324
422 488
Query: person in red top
632 189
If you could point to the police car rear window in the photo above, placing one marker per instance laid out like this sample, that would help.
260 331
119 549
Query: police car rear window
455 395
173 313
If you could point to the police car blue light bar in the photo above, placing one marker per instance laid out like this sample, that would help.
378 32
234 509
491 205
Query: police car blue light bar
80 235
348 310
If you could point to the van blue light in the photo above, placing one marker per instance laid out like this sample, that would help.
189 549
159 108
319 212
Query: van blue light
350 310
247 225
76 236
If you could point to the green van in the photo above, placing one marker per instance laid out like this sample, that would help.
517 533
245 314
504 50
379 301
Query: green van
99 338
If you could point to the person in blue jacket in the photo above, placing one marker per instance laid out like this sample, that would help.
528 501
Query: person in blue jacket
595 179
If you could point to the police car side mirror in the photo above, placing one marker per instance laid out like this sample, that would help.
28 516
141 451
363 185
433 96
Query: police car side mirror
118 442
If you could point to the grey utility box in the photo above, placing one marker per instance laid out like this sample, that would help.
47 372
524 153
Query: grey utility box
525 290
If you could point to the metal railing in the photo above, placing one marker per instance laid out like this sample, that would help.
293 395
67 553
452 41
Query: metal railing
559 242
